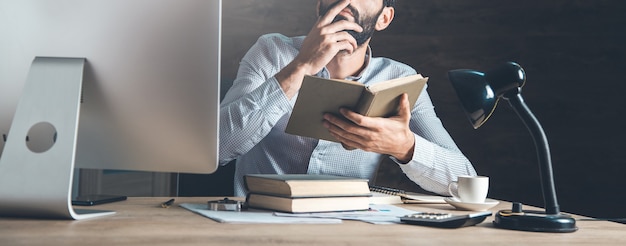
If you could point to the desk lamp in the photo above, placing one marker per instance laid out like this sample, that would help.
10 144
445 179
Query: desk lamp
479 94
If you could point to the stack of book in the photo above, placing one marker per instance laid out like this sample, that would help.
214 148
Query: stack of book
306 193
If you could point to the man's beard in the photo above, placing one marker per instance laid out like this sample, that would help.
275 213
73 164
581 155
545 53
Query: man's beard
367 23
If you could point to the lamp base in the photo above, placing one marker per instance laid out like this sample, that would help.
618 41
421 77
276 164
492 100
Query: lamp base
536 221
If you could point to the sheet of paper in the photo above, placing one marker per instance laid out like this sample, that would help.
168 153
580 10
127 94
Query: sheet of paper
252 217
377 214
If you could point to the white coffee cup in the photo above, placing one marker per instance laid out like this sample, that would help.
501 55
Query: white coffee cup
470 189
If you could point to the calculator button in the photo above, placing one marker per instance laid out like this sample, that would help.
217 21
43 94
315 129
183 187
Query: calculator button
431 215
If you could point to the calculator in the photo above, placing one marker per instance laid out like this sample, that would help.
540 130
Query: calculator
444 220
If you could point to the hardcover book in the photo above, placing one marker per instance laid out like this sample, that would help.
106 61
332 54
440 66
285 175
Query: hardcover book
306 185
319 95
308 204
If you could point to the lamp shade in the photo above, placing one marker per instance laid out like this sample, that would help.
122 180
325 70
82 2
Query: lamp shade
479 92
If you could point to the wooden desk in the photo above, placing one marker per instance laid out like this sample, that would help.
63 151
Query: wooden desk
141 221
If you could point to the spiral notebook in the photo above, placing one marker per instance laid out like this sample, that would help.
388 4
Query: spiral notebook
407 197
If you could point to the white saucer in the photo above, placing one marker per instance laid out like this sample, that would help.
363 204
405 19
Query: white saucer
489 203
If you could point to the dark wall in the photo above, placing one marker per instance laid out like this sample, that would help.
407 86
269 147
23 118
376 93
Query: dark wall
573 53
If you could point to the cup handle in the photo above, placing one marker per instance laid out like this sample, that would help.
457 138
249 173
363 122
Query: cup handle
454 192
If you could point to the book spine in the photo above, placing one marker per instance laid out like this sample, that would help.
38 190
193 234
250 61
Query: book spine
365 102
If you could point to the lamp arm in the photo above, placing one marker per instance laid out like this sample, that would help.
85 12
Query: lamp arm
543 150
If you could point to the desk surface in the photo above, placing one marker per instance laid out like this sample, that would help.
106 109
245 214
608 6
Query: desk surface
142 221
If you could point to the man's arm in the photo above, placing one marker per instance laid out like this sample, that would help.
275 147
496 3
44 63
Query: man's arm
255 102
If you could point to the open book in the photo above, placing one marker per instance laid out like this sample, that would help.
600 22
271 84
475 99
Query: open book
318 96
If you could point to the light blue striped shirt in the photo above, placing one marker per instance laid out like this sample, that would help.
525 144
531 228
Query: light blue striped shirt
255 111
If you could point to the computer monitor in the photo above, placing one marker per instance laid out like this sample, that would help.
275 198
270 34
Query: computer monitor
149 99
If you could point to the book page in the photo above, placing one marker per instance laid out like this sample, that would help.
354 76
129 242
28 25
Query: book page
383 98
394 82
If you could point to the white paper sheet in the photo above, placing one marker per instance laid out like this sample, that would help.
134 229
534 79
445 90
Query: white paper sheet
253 217
378 214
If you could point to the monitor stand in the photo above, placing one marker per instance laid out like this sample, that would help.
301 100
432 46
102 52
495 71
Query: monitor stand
37 165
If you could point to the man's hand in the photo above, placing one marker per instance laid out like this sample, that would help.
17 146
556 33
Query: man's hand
390 136
325 40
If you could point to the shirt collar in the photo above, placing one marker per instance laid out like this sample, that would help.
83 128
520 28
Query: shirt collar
368 57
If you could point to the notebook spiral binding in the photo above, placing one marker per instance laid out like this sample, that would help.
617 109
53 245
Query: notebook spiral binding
389 191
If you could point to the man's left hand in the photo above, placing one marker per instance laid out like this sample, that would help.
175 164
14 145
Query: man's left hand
390 136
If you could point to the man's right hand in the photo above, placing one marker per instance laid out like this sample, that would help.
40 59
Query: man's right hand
320 46
326 39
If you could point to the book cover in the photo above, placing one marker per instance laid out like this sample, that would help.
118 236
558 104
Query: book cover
309 204
306 185
319 95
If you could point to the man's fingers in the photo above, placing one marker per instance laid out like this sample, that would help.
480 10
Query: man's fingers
342 25
404 109
346 42
333 12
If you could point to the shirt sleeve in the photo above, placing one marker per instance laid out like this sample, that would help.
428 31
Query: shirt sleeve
437 160
255 102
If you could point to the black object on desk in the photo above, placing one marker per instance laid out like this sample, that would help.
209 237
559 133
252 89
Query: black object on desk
90 200
444 220
479 94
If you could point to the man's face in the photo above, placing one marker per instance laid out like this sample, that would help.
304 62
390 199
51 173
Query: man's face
361 17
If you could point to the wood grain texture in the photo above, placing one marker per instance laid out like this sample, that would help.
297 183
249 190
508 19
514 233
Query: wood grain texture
142 221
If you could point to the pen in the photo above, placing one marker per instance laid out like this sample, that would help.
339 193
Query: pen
168 203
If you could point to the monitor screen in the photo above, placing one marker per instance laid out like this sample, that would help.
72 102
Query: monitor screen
150 98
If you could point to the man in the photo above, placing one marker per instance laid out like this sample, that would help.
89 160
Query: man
255 111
